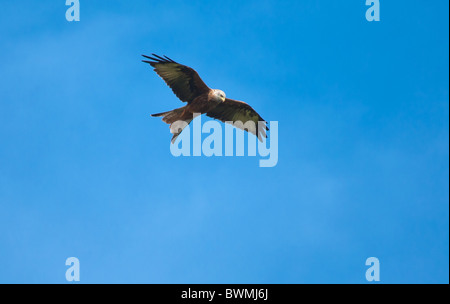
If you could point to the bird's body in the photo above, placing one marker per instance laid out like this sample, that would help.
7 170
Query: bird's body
189 87
205 102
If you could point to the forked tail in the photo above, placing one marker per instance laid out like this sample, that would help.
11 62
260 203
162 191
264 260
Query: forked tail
178 120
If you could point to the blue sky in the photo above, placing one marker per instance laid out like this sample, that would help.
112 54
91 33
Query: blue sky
363 170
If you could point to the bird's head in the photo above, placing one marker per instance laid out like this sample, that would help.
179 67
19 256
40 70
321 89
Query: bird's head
220 95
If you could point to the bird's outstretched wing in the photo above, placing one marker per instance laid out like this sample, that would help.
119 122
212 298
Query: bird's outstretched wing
232 111
183 80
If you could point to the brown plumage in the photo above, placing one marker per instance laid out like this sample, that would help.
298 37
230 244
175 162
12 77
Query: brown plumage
187 85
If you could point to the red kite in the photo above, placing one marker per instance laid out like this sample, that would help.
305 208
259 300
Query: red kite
187 85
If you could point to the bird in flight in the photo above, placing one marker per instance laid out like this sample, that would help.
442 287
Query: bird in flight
187 85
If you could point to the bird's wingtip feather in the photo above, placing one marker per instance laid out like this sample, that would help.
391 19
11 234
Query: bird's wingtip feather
159 59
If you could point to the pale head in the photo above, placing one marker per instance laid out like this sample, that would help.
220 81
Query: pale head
219 95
